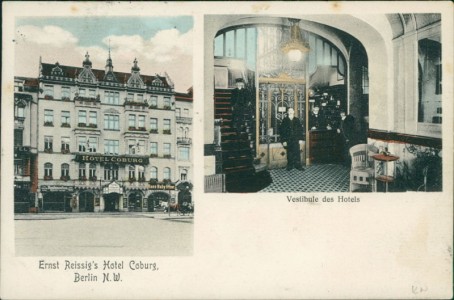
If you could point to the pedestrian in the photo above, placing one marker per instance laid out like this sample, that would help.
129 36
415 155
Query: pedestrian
291 138
241 104
347 131
317 120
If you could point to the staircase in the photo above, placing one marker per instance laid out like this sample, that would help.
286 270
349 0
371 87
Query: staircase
237 157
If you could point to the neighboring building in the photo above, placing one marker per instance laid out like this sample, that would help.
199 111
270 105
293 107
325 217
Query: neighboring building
106 140
25 143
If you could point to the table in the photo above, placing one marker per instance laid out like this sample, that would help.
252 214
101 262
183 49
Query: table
384 176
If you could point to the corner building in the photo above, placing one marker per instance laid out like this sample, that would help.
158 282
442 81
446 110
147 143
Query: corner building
107 141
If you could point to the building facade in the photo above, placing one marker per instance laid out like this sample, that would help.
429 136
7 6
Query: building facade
107 141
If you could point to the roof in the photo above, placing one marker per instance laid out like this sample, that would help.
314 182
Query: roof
185 96
72 72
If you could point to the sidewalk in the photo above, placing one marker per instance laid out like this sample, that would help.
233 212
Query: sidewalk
57 216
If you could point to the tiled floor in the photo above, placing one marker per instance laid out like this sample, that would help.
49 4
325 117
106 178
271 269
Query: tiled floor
315 178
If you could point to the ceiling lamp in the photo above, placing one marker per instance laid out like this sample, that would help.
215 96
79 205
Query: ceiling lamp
295 48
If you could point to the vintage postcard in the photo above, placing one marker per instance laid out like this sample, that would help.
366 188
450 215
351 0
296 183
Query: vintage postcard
314 138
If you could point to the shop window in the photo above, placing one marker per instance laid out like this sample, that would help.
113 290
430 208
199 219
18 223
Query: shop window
111 122
48 143
47 171
48 117
65 119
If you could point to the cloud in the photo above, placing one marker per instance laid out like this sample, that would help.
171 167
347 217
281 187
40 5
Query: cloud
48 35
169 43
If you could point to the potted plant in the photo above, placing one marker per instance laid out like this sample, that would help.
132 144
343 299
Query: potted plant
65 125
132 179
153 181
153 130
47 177
91 125
48 123
166 131
83 178
65 178
48 150
80 124
93 178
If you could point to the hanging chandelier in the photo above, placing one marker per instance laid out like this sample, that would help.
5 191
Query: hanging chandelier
295 47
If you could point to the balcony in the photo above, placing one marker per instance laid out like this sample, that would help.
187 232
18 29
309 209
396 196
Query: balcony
87 101
184 120
184 141
135 106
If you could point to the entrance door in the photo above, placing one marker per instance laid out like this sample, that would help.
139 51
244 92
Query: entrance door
111 202
86 202
135 201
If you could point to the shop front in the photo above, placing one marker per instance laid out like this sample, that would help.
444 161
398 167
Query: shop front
57 198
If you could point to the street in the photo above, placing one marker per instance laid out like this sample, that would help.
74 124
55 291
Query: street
103 234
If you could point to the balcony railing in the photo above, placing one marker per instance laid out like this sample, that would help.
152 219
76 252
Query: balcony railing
183 140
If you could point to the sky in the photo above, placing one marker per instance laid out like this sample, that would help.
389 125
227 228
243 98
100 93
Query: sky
160 44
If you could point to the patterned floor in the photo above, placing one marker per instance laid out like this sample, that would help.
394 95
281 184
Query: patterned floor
315 178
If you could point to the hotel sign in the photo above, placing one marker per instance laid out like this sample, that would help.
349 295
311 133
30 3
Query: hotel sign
112 188
56 188
140 160
169 187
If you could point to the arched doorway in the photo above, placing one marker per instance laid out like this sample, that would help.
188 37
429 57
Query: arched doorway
156 199
135 201
111 202
86 201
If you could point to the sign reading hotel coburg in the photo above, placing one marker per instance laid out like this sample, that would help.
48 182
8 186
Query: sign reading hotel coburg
141 160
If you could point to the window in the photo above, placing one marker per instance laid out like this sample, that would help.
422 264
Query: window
82 92
154 125
166 102
65 144
183 153
92 144
65 118
111 122
141 122
19 112
110 172
48 170
48 143
166 126
184 174
154 101
92 171
185 112
82 143
365 80
132 172
167 150
111 147
93 118
112 97
154 173
82 171
141 173
139 98
48 117
130 97
131 121
65 92
92 93
65 170
136 146
167 173
178 112
82 117
49 91
153 149
18 137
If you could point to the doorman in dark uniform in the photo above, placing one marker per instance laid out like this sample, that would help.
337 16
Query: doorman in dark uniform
292 138
347 130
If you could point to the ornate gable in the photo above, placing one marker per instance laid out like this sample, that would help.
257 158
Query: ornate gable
135 81
157 82
57 71
86 75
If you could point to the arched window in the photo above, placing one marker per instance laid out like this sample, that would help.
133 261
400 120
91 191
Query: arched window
65 170
92 171
132 172
154 173
48 170
184 174
82 172
167 173
141 173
